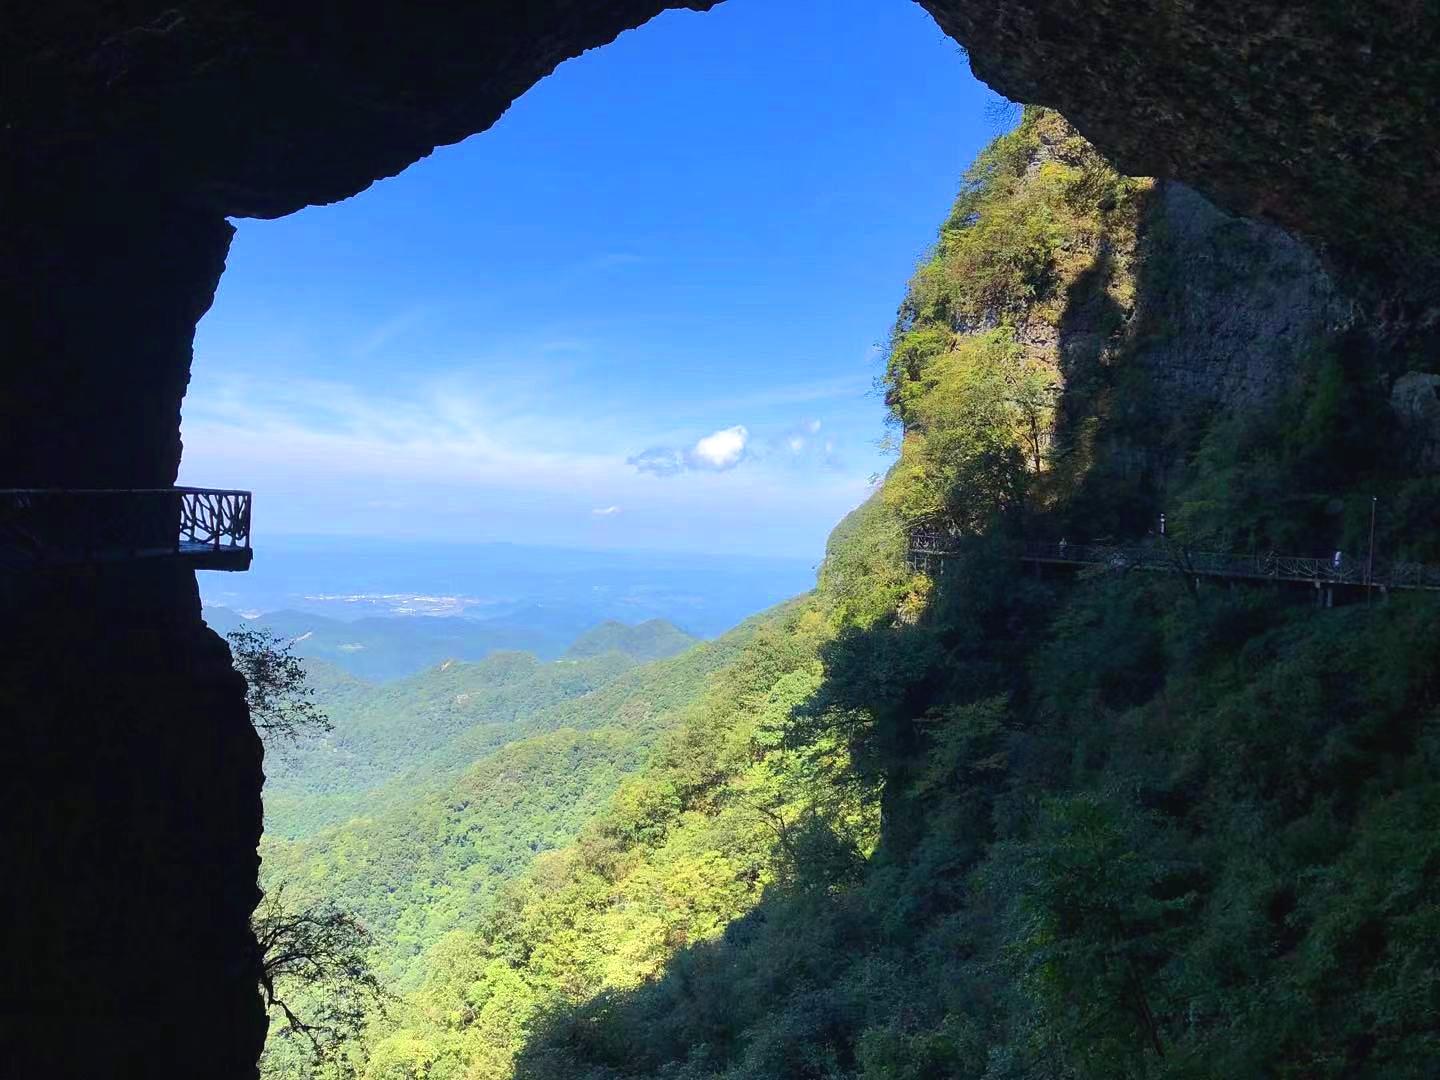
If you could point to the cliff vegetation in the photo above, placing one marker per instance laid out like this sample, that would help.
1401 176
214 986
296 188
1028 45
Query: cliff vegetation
953 818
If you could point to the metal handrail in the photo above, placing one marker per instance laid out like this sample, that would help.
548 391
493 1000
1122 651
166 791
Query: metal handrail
77 525
936 543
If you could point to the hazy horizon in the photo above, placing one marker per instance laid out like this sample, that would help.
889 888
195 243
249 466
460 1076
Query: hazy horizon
350 578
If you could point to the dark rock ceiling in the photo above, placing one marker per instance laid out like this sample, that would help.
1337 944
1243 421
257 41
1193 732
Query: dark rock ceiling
1315 114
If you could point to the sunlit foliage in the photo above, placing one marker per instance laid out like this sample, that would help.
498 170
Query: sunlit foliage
980 823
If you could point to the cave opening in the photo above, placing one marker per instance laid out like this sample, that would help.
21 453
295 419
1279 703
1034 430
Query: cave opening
646 326
719 260
134 133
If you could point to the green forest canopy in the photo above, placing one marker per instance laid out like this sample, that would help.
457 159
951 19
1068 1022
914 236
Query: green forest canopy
974 824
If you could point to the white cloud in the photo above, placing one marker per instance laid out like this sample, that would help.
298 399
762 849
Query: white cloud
721 450
605 511
812 426
796 443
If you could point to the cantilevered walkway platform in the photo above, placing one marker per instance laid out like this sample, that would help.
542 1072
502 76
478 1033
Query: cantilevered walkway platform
203 528
933 544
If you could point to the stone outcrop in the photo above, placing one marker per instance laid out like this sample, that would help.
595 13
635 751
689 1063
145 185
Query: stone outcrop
1415 399
1313 115
129 132
1228 309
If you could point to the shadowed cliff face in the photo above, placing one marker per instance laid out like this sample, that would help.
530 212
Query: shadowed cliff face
131 809
1312 114
130 131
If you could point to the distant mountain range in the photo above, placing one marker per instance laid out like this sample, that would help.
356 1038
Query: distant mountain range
514 588
384 648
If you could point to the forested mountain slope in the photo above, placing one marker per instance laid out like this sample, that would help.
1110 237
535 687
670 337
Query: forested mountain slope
425 852
653 639
390 730
420 728
951 818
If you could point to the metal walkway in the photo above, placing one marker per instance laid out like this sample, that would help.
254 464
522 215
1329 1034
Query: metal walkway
51 527
932 544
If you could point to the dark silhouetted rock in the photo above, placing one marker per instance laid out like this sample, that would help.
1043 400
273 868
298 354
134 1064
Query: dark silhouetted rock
130 131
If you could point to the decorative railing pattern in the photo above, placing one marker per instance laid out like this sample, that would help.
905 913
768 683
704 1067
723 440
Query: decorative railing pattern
926 541
215 518
926 544
56 526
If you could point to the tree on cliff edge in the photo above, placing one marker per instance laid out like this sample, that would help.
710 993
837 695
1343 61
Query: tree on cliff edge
279 694
315 965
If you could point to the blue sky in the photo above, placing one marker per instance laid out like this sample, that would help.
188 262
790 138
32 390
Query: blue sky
640 312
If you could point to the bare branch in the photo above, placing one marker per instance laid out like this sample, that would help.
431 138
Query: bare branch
315 970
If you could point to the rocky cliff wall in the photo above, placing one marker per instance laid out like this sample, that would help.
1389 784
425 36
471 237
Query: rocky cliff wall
1313 114
1227 309
131 803
129 132
1232 314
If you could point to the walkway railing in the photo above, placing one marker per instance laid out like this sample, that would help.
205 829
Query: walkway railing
1385 574
209 529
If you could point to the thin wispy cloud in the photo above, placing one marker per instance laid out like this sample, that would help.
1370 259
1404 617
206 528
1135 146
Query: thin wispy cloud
566 345
436 434
445 460
841 388
803 445
448 432
391 330
659 461
612 260
800 437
